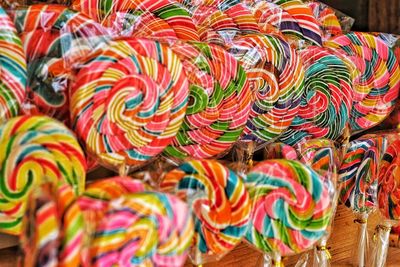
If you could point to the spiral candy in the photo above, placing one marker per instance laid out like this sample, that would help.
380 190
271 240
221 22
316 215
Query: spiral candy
34 150
277 79
219 102
377 83
219 202
326 103
327 18
129 102
12 69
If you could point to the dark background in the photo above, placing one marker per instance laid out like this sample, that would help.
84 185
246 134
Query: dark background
371 15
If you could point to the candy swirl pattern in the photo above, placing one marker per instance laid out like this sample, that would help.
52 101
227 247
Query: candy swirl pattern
12 69
327 18
55 39
326 103
143 229
276 78
164 15
376 84
388 189
129 102
35 149
358 174
219 102
291 207
219 201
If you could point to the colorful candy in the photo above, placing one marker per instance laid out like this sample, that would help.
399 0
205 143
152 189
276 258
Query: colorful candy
129 102
326 103
327 18
219 102
377 83
358 175
219 202
280 151
55 39
143 229
291 207
12 69
34 150
160 16
277 80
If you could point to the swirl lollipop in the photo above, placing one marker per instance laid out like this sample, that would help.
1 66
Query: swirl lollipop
219 102
55 39
129 102
161 16
146 229
291 207
12 69
377 83
34 150
327 18
53 228
220 205
276 77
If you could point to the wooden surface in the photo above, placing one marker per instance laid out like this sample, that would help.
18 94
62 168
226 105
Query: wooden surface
384 16
342 242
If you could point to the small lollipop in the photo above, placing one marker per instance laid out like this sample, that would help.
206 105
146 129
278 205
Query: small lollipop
377 82
327 18
12 69
220 205
219 102
326 103
291 207
129 101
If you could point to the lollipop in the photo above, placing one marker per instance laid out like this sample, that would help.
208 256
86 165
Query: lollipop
163 15
52 228
129 102
291 207
146 229
34 150
55 39
326 103
12 69
280 151
276 77
219 201
219 102
327 18
376 86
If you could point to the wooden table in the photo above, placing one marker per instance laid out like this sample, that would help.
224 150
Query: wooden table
342 242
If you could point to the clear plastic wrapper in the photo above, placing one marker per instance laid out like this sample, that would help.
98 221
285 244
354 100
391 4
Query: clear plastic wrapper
35 149
219 202
287 217
164 19
13 73
377 81
53 228
11 4
55 39
326 103
280 151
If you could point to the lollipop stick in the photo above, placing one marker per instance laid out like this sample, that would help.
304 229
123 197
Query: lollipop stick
303 261
381 245
322 256
358 254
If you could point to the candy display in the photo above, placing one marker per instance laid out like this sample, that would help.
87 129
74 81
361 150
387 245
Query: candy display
276 78
129 101
12 69
162 18
219 102
327 99
377 82
291 207
55 39
220 205
147 229
33 150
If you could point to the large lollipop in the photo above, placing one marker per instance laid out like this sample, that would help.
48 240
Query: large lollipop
377 83
219 202
219 102
326 103
291 207
35 150
55 39
129 102
12 69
